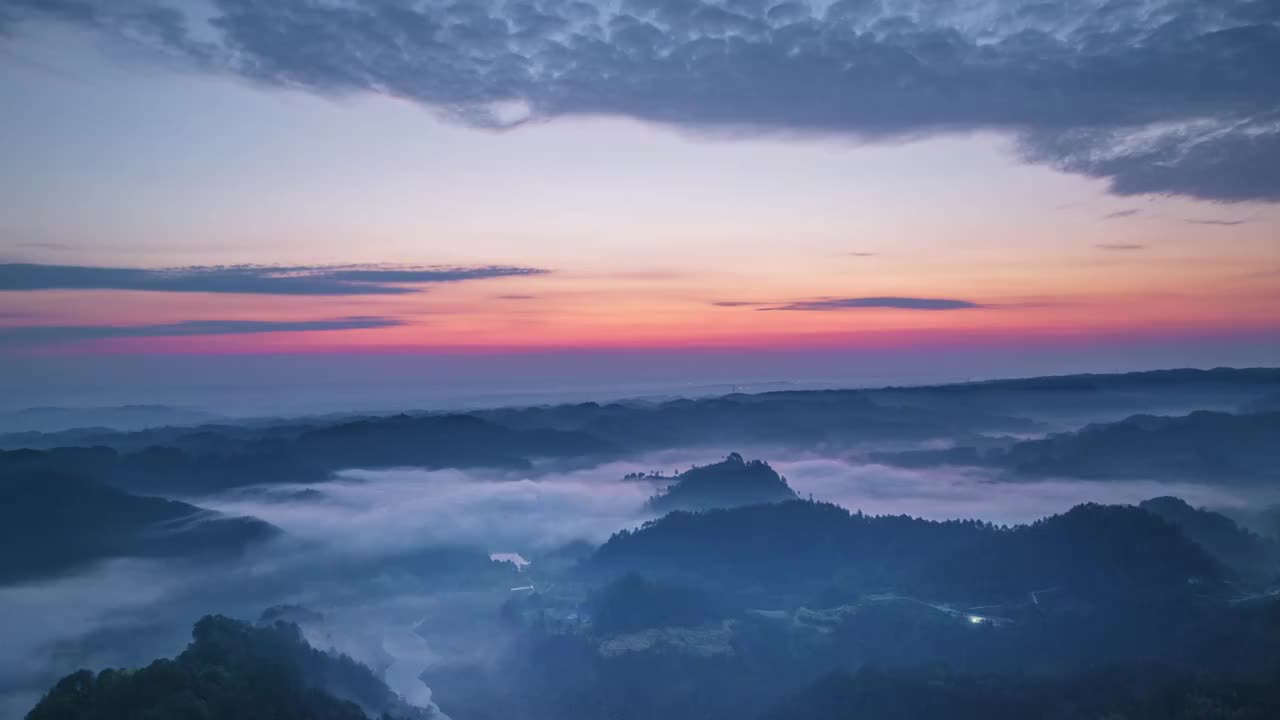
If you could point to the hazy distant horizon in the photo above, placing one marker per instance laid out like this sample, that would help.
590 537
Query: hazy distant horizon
252 386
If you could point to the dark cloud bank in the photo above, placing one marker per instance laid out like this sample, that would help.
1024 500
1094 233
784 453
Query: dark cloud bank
896 303
70 333
1154 96
1219 223
246 279
308 280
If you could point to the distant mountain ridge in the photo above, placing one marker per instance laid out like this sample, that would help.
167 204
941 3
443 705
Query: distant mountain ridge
119 417
1099 381
210 458
1203 445
209 461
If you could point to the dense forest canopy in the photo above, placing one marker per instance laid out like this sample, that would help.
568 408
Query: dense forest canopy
231 670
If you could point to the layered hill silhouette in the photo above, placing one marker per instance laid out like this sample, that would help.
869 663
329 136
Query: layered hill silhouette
1207 446
211 460
52 523
1204 446
1245 552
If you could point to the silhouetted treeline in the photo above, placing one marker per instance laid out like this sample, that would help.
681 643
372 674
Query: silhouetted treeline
729 483
800 545
230 670
1247 553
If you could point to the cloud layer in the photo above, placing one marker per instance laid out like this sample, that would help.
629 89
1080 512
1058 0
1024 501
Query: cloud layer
1220 223
1153 96
246 279
898 303
70 333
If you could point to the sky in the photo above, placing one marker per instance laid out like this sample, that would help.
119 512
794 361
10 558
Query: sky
629 191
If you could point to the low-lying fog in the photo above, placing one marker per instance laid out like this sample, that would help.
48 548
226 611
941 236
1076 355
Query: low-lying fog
368 511
127 612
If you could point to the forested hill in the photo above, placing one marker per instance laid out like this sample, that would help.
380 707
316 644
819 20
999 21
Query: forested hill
804 544
51 523
231 670
729 483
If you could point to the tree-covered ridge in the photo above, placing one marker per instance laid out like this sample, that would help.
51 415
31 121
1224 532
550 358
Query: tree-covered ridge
729 483
52 522
230 670
1097 551
1247 553
1093 549
1200 445
784 543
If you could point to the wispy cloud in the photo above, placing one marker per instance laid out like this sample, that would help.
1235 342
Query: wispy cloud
33 334
862 254
1120 246
247 279
1224 223
1121 214
737 303
897 303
